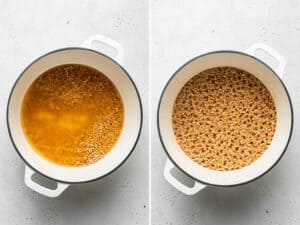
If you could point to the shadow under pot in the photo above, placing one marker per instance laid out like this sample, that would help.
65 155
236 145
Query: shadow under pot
203 175
132 116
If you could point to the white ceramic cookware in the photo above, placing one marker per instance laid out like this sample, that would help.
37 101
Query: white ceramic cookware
112 68
270 77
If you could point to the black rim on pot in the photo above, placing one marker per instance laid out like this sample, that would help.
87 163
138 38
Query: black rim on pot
166 86
99 53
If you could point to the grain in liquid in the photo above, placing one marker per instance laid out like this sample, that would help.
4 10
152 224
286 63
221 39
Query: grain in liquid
72 115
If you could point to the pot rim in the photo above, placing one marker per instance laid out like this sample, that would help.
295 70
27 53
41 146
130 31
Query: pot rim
66 49
218 52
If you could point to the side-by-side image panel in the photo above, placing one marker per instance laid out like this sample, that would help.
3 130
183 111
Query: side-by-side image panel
223 87
74 106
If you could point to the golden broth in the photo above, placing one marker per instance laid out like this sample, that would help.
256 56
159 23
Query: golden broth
72 115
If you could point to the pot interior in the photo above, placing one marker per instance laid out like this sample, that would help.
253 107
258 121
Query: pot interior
283 123
132 115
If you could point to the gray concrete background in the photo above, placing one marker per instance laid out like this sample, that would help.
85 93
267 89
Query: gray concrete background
31 28
180 31
184 29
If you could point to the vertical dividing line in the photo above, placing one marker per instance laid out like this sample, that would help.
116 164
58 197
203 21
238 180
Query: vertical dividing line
150 113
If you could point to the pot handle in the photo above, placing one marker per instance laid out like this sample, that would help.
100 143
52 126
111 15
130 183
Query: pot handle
41 189
272 52
177 184
107 41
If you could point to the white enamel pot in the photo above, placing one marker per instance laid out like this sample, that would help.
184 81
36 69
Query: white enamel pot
271 78
64 176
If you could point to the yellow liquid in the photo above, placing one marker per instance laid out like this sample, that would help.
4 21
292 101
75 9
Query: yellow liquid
72 115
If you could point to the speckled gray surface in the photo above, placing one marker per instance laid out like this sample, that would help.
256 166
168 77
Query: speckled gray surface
180 30
31 28
184 29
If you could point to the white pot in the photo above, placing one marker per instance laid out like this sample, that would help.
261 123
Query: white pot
271 78
132 116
